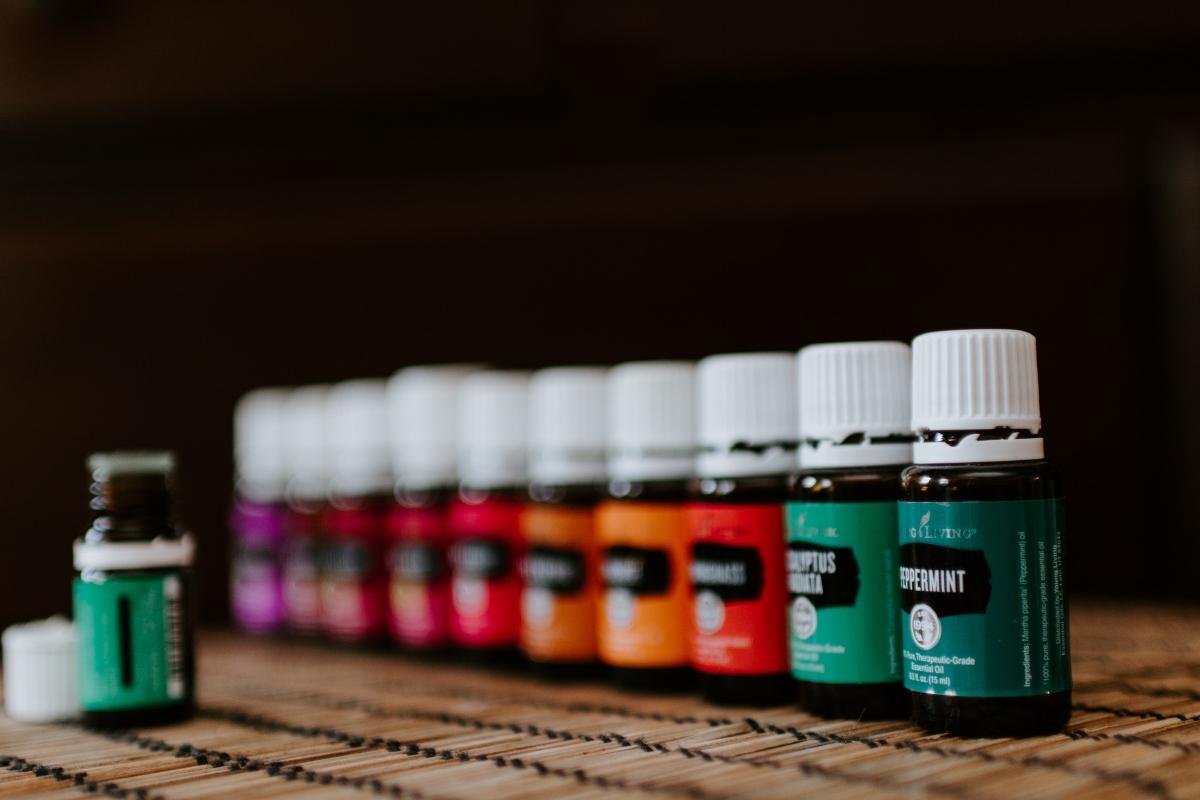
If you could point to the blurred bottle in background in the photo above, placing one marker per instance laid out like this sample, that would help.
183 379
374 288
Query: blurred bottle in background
748 429
560 572
641 529
484 519
257 517
306 462
423 429
353 579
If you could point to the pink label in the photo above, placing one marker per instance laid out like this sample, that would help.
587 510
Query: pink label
418 607
256 592
485 587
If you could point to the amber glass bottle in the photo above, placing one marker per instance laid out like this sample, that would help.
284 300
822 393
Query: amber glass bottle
133 596
485 519
747 430
641 528
843 617
561 572
423 432
984 611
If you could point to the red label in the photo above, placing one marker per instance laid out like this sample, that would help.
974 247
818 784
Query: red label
419 586
485 583
739 596
353 581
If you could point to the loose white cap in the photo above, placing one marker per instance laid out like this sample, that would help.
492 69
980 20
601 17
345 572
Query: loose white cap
358 438
493 429
305 442
748 419
258 445
41 671
423 424
976 380
651 420
854 389
566 425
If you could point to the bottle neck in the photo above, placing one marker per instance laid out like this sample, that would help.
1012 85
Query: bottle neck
978 446
132 508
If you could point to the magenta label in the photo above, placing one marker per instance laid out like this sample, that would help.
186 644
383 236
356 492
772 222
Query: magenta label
418 597
256 591
485 589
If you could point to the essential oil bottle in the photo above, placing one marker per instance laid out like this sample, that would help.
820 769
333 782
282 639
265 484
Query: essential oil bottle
983 608
353 579
567 477
485 518
748 432
641 529
306 458
844 614
257 517
423 425
133 596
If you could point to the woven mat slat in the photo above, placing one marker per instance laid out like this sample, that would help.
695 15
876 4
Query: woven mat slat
281 719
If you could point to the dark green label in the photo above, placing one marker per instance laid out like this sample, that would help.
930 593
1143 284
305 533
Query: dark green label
131 641
981 592
843 617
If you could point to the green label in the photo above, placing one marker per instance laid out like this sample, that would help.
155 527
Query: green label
981 591
131 641
841 577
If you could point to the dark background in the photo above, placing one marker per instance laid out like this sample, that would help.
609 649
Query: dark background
201 198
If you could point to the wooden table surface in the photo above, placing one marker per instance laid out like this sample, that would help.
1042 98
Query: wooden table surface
281 719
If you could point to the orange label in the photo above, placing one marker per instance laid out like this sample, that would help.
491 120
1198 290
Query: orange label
644 605
560 582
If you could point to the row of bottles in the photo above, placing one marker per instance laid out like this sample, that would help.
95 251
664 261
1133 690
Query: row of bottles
754 522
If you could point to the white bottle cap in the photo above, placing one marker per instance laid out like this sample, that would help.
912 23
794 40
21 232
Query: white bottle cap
305 443
976 380
852 394
493 429
651 421
41 671
258 445
358 438
566 425
423 424
748 419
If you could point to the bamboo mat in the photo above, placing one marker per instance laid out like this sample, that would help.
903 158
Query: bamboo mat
291 720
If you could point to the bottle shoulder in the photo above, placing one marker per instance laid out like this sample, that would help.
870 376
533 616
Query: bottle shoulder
665 491
842 485
568 496
750 489
104 530
1009 480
